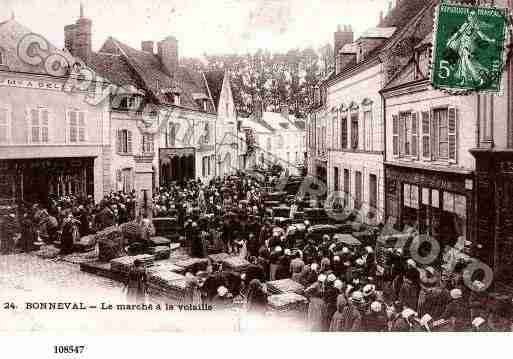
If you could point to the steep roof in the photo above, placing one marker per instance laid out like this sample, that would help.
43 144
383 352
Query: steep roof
379 32
255 125
399 17
214 80
144 69
12 34
278 122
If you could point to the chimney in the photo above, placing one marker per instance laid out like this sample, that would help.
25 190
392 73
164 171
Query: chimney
342 37
78 37
168 54
147 46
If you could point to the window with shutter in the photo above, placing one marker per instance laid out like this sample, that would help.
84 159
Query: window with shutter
343 132
402 120
407 134
452 134
414 135
34 120
44 125
129 142
426 141
354 131
119 141
5 126
73 126
81 127
395 135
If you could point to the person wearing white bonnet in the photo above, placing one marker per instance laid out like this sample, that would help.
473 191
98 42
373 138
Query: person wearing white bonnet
336 258
369 249
345 250
376 307
331 278
338 284
321 278
456 293
457 311
369 290
479 325
360 262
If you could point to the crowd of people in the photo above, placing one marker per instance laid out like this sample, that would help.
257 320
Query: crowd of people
346 288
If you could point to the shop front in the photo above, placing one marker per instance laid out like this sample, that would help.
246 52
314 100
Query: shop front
36 180
435 202
176 165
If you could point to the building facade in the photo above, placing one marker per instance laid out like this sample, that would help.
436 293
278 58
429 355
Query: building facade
279 139
157 106
53 142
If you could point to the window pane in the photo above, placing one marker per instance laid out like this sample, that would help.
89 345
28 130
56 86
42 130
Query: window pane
73 118
35 134
448 202
35 117
44 134
44 117
3 134
81 119
73 134
444 150
81 134
3 116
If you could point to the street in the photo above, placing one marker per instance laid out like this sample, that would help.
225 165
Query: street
30 279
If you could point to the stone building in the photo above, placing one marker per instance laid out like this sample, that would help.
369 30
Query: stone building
280 138
53 141
351 128
158 107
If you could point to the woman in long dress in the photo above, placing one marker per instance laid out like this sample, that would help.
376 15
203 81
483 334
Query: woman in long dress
317 306
136 283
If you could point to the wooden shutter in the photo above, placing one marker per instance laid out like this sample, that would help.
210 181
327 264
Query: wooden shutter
414 134
402 128
119 141
45 124
129 141
426 141
452 124
395 135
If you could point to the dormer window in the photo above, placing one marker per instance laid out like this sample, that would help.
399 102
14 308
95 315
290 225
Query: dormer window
2 58
128 103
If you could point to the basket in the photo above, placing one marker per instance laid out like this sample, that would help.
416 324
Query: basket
124 264
236 264
283 286
287 302
160 252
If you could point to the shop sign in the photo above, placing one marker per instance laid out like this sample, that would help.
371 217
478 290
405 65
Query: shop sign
33 84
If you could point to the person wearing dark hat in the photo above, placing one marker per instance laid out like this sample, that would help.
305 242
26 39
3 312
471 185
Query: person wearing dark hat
136 283
9 230
69 233
257 297
337 320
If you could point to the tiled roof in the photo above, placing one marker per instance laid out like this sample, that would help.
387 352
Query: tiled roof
146 70
115 69
215 84
11 35
379 32
398 18
255 125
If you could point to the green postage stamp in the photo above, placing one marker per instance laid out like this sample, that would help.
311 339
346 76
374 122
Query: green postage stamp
468 50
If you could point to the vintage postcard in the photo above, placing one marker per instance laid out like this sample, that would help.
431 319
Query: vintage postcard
255 166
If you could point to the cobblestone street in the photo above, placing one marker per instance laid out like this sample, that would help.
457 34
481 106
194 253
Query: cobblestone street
30 279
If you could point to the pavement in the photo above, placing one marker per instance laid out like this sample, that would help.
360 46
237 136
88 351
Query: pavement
29 279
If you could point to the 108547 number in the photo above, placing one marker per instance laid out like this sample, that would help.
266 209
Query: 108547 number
68 349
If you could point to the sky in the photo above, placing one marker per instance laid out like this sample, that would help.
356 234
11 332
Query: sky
202 26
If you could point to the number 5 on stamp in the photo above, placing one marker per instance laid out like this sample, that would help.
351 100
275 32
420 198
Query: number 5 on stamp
468 51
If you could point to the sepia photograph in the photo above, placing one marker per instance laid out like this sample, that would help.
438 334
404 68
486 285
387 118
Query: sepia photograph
255 166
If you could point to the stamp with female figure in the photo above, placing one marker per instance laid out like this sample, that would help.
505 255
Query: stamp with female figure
468 53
